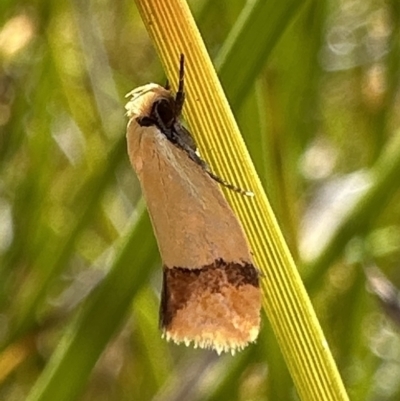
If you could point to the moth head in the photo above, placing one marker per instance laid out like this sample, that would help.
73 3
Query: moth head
148 99
156 104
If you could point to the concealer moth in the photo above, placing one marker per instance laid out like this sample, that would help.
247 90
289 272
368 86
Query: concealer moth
210 293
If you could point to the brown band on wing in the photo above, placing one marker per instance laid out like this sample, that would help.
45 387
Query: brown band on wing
180 284
217 306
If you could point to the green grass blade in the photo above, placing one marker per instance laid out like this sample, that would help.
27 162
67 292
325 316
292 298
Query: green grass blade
252 39
87 337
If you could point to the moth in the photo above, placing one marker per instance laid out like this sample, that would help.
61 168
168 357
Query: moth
210 293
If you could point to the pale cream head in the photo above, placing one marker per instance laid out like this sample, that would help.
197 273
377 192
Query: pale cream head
142 99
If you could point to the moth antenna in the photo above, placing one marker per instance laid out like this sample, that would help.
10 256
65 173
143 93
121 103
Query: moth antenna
167 86
180 94
181 73
229 186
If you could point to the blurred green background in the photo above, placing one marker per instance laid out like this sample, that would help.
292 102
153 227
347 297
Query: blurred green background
315 88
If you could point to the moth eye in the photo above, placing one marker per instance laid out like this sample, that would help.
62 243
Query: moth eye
165 111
